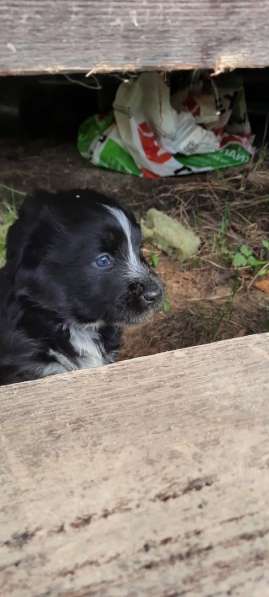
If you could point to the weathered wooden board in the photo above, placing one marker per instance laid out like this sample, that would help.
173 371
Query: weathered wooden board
148 477
81 35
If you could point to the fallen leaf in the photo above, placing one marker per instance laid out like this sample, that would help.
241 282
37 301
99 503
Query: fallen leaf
263 284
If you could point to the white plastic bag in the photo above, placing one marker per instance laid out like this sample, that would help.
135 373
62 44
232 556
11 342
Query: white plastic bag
152 131
152 135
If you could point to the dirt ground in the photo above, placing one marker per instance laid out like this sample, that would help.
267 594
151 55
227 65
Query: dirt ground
205 307
207 298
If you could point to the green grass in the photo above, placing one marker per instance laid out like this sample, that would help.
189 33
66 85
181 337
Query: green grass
9 202
220 242
154 260
242 256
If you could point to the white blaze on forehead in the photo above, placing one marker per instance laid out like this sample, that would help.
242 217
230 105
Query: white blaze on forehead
134 264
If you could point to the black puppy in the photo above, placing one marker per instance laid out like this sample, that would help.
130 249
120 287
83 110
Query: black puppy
74 276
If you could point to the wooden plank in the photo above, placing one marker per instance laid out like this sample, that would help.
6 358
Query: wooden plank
148 477
38 36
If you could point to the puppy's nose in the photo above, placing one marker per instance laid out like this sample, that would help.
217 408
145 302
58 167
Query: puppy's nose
153 294
150 292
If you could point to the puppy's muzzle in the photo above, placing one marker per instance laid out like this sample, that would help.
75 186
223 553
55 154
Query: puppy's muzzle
149 292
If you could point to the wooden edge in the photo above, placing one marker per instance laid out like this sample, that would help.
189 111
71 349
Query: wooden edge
148 477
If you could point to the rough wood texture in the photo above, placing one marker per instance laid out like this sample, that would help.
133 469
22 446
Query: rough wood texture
80 35
148 477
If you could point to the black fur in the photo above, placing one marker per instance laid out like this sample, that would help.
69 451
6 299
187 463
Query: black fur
51 282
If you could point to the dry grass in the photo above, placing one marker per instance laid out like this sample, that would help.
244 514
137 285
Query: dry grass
210 299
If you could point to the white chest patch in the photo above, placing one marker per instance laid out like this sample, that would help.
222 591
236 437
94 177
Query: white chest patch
85 340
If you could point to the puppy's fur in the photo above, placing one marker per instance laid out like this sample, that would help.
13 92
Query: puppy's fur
74 276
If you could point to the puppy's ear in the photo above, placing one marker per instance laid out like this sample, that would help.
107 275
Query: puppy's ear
28 237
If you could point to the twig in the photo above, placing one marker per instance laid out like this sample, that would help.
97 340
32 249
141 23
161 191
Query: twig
217 265
11 190
96 87
257 275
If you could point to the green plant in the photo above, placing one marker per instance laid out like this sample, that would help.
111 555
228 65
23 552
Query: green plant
220 241
166 305
265 244
154 260
245 257
10 200
7 217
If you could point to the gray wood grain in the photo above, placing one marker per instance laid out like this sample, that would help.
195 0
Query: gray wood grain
148 477
80 35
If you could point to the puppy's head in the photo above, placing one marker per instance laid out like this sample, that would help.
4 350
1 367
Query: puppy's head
79 254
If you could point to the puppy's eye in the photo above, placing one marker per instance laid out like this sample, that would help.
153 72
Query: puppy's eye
104 261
